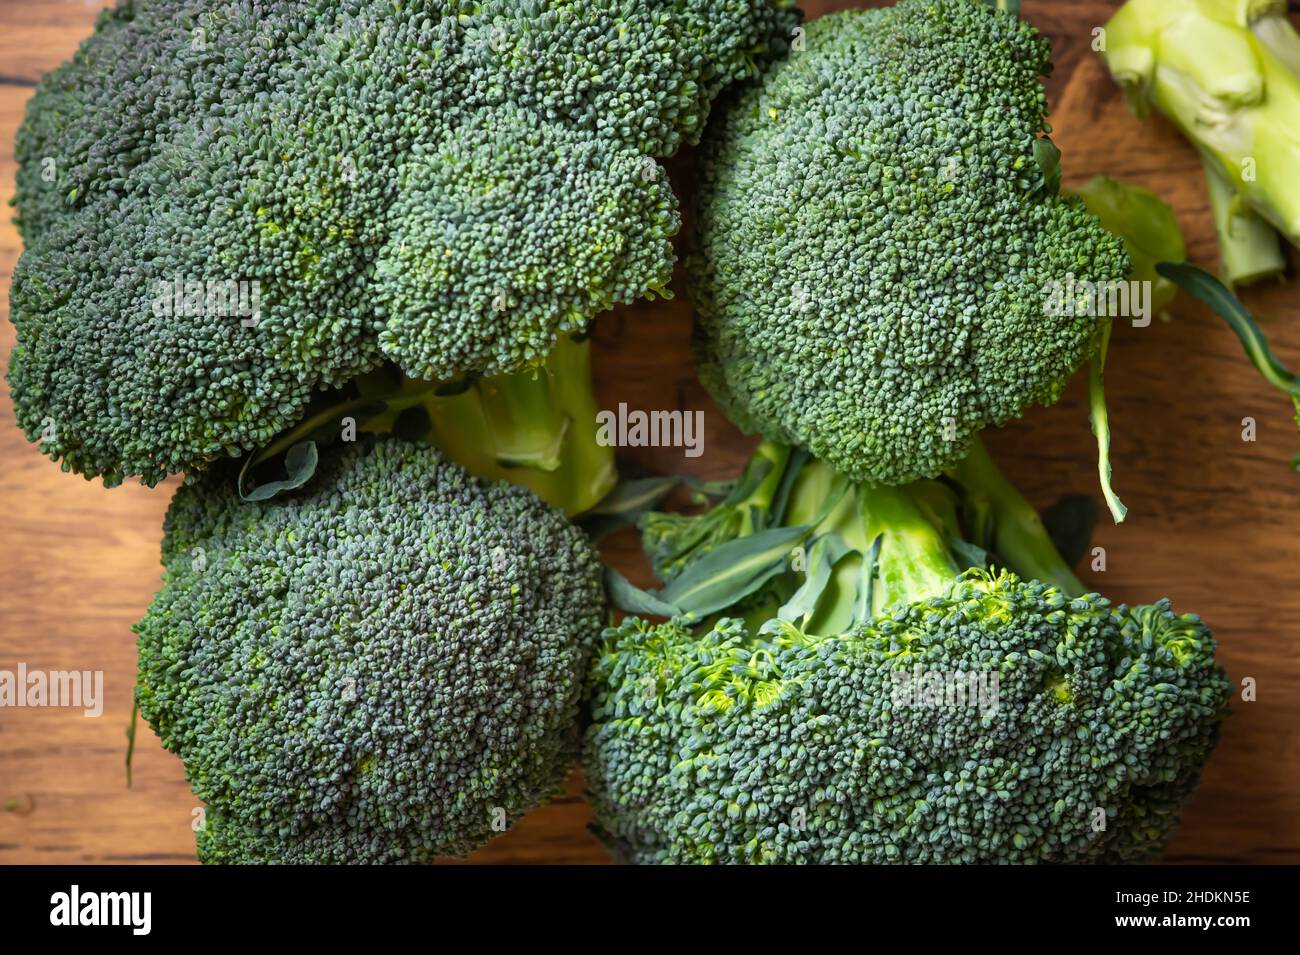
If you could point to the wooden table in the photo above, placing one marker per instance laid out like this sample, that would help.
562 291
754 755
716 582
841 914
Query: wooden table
1214 521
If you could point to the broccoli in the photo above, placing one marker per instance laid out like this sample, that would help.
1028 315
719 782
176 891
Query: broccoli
384 667
1227 74
441 188
879 231
935 686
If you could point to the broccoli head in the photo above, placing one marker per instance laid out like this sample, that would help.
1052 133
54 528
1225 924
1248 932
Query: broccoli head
923 680
383 668
230 206
747 746
879 231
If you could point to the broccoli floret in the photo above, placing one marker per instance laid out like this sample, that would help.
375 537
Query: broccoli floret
740 746
382 668
1227 74
878 234
443 186
913 694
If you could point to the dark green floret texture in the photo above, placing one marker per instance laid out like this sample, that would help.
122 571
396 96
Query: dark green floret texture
385 668
876 239
444 185
742 746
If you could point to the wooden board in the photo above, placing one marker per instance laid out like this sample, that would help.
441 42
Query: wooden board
1214 521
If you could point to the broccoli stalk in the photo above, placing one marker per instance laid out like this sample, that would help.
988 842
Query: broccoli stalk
1228 75
914 561
803 543
536 428
1249 249
1010 524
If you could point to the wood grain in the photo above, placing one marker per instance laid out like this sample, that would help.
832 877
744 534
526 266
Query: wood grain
1214 521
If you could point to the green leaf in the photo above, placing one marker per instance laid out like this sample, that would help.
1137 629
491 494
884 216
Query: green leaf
754 474
867 581
1146 224
702 491
624 505
1048 158
969 555
1227 306
733 571
822 557
633 496
299 465
626 595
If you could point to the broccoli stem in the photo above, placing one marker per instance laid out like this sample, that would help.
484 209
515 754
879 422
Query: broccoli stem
1019 537
755 509
1249 247
536 428
915 561
825 554
1101 425
817 484
1228 76
1269 23
822 498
